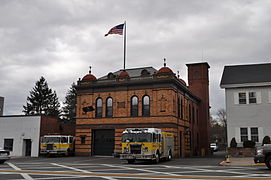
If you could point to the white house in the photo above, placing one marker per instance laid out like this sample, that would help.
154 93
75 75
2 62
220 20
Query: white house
248 102
20 135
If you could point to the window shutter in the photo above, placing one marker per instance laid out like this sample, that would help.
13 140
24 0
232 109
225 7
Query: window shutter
259 97
236 98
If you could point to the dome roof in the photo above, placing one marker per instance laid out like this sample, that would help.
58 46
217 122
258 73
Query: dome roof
165 70
124 74
89 77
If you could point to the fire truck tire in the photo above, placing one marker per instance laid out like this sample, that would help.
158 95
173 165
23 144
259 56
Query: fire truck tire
131 161
169 157
268 162
67 153
157 158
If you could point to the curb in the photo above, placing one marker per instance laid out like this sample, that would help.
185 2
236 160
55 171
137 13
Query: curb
224 163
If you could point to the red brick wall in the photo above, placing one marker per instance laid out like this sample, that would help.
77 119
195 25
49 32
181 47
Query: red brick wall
198 80
48 125
51 125
163 104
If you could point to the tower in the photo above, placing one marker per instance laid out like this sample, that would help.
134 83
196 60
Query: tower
198 80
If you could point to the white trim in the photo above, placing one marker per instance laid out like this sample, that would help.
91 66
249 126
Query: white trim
245 85
236 98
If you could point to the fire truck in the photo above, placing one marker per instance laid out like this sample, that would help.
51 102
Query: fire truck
146 144
57 145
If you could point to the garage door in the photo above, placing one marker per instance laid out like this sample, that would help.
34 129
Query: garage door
104 142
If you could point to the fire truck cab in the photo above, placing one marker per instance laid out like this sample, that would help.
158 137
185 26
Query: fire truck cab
146 144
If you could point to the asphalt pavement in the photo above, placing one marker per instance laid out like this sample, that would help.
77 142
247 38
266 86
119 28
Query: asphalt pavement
99 168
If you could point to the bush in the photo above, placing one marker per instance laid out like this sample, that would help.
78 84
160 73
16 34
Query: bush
266 140
233 143
249 144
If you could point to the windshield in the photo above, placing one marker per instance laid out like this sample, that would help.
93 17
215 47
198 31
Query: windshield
54 139
137 137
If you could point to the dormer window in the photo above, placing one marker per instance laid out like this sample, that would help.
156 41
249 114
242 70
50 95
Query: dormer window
145 72
110 75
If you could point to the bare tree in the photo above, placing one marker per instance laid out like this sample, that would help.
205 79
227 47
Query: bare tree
222 118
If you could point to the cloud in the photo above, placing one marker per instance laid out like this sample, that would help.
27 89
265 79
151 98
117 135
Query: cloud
59 39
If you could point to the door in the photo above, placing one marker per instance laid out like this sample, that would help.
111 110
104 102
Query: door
103 142
27 145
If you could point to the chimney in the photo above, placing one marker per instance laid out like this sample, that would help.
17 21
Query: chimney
198 81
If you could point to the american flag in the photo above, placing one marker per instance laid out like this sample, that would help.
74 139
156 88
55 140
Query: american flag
116 30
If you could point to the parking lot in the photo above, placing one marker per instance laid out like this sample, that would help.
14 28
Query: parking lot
114 169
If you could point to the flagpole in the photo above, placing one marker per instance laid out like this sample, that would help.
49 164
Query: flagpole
124 45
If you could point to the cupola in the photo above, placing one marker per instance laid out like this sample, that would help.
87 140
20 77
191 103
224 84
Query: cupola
89 76
123 74
165 69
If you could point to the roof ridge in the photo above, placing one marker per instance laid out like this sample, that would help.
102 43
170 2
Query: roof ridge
138 68
247 64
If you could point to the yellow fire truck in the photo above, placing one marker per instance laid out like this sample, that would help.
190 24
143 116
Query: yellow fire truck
56 145
146 144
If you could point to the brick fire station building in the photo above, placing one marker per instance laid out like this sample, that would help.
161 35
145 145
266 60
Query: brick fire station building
143 97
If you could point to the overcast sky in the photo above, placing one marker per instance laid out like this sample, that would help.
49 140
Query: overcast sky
60 39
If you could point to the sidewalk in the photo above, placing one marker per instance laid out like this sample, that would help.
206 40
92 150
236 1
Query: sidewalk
244 161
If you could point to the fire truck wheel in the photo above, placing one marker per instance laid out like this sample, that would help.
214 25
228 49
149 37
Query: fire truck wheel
131 161
67 153
268 162
169 155
157 158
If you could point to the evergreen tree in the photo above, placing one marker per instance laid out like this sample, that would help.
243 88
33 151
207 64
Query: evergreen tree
42 100
54 106
69 109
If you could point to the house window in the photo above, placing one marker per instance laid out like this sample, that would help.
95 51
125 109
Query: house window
244 134
134 106
99 107
252 97
109 107
8 144
242 98
254 134
83 139
146 106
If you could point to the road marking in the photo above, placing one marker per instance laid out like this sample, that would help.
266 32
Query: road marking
138 169
133 175
25 176
80 170
200 169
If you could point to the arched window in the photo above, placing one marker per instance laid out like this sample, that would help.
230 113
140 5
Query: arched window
99 107
134 106
146 106
179 108
109 107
